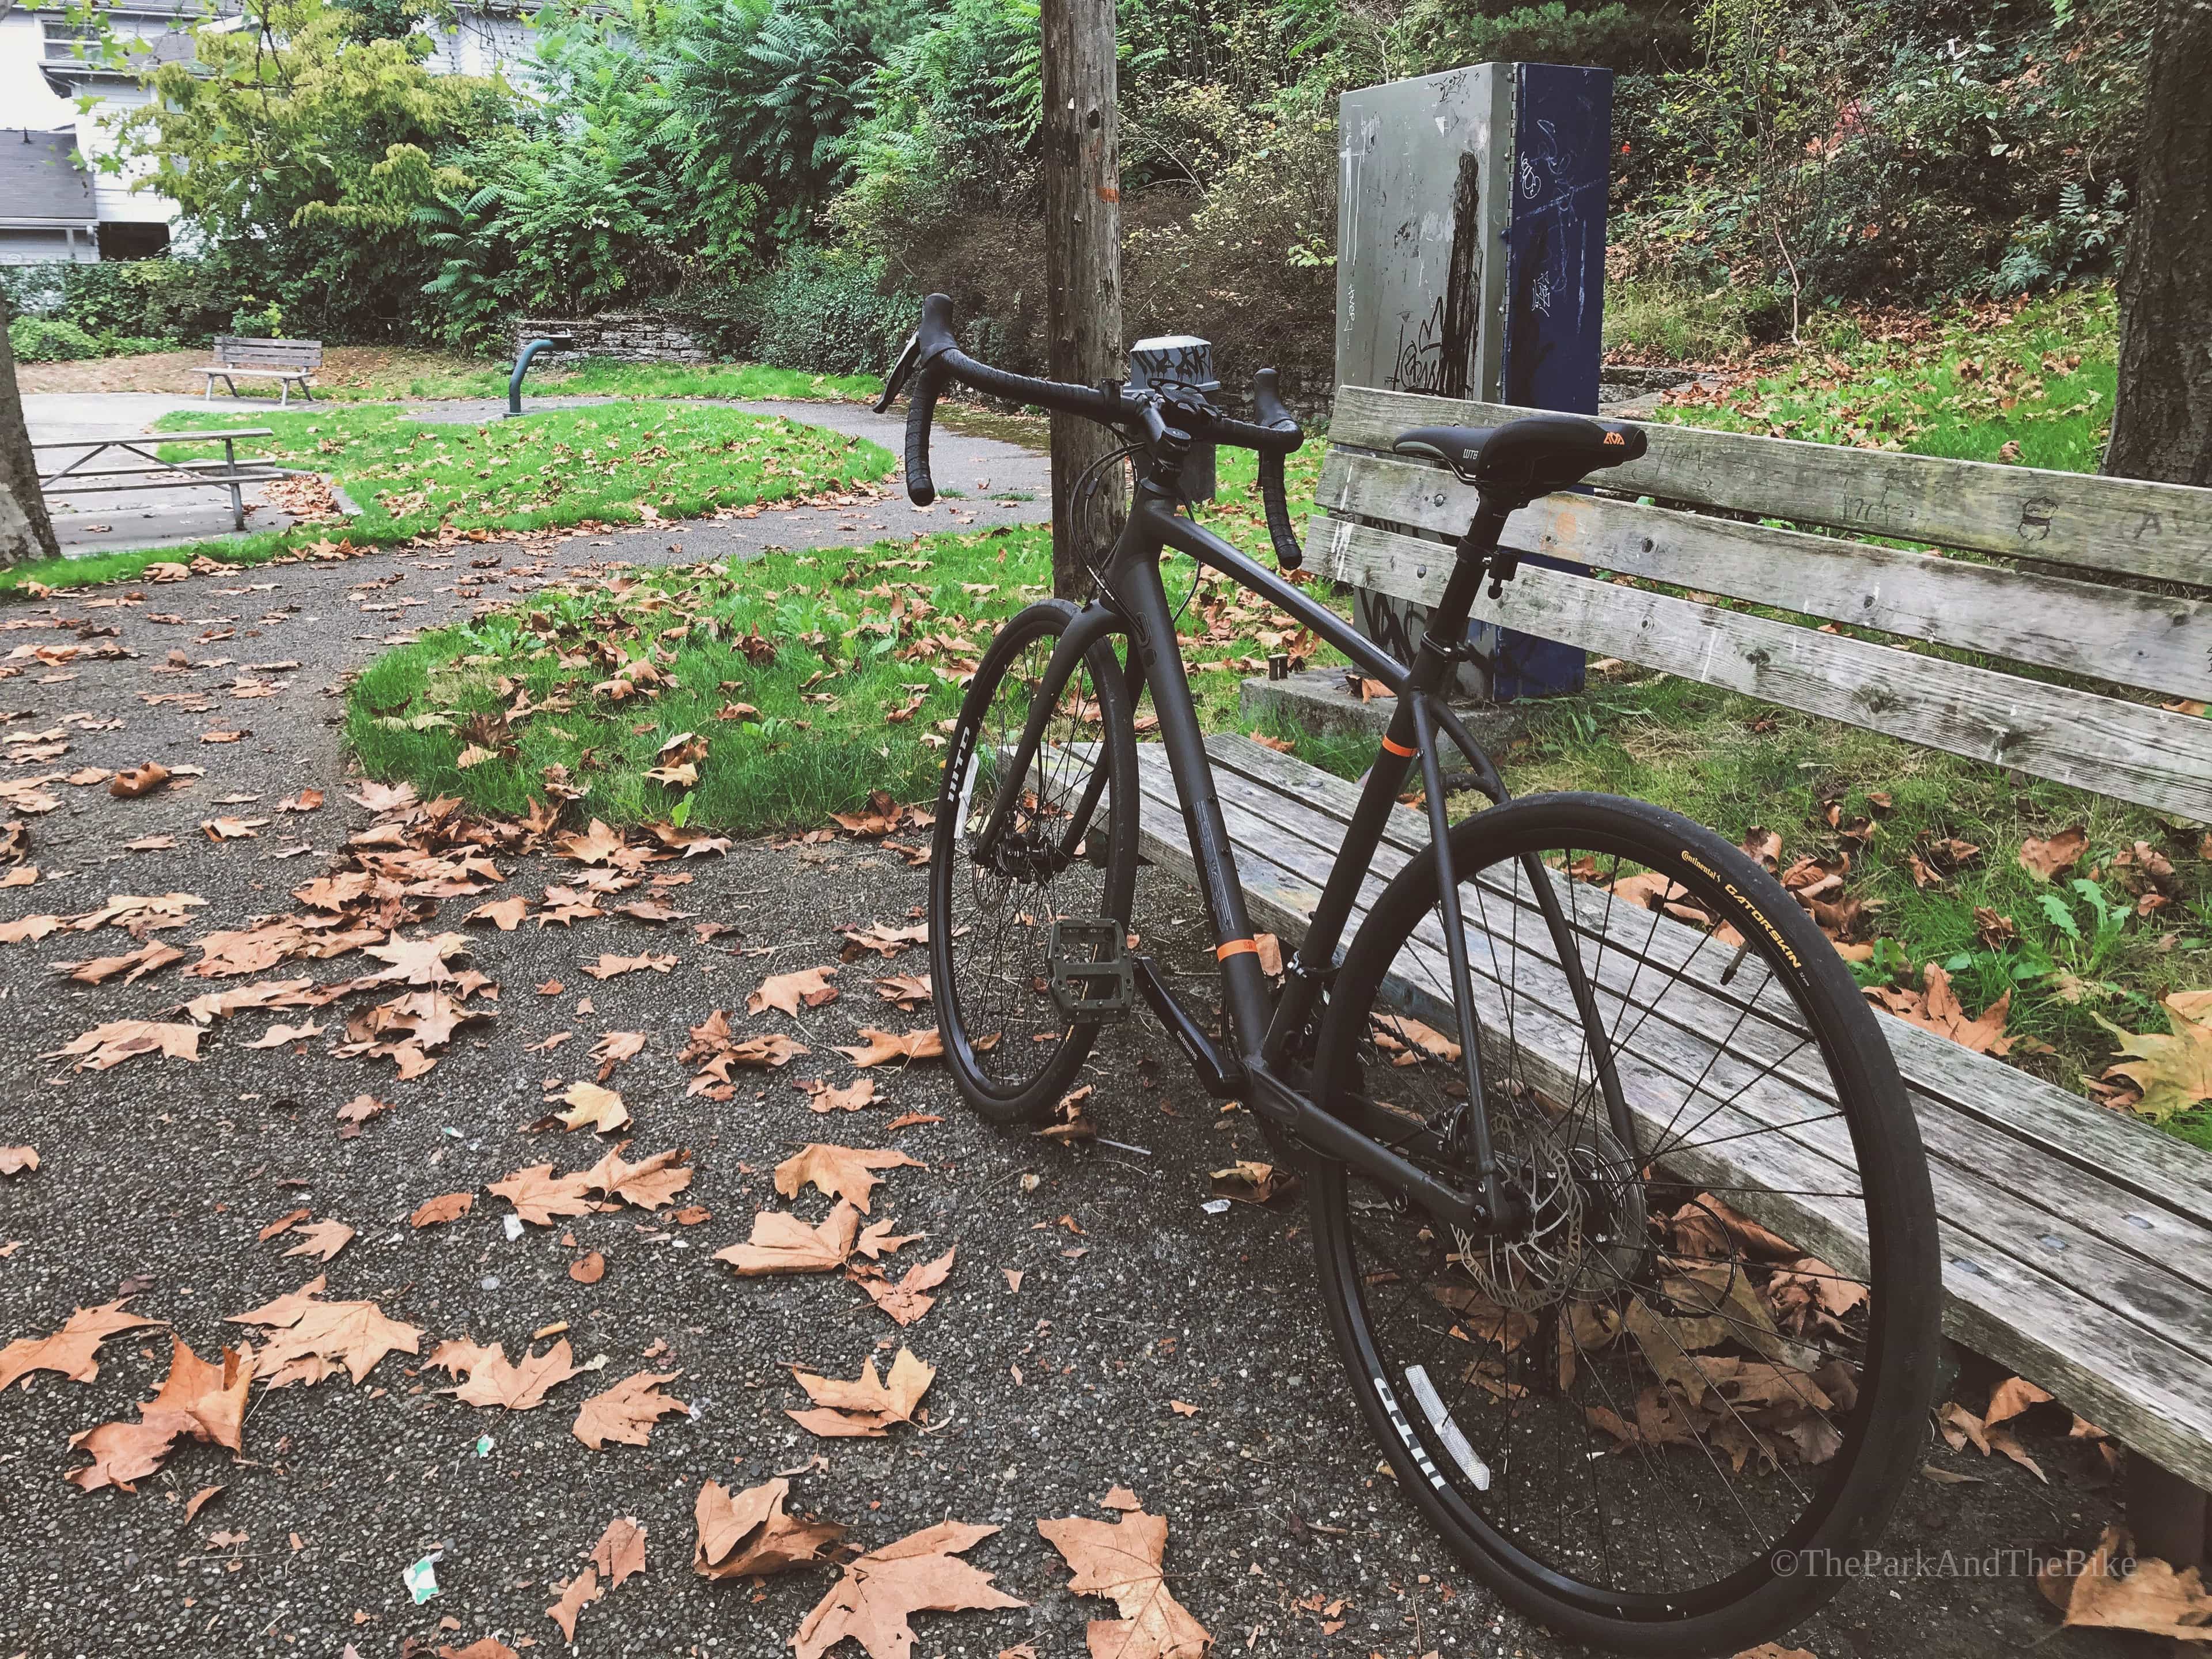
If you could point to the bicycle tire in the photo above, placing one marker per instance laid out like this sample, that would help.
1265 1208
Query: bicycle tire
1011 1052
1588 1579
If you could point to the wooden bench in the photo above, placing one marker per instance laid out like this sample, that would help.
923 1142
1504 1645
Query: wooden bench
288 362
79 477
2077 1243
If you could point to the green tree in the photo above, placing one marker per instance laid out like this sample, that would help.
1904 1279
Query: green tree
303 151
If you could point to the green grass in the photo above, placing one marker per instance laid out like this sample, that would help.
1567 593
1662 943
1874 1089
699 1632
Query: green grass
746 381
2033 388
1656 321
810 641
834 659
557 468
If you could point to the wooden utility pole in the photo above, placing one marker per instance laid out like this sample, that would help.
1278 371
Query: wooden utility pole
26 531
1082 256
2162 425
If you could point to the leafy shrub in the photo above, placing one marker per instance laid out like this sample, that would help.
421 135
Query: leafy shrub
826 311
49 340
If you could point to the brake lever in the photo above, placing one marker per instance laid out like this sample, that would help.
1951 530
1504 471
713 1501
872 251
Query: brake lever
895 382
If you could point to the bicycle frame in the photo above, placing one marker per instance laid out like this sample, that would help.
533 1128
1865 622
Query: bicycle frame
1134 601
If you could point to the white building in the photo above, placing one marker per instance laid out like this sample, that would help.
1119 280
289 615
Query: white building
44 69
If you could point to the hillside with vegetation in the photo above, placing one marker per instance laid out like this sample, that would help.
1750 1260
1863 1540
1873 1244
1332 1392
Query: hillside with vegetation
786 176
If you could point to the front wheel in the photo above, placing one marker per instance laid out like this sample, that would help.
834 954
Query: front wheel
1068 850
1661 1412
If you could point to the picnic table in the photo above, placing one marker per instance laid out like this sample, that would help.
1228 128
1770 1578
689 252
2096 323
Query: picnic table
79 475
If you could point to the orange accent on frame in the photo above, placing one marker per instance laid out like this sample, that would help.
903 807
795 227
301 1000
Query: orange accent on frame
1403 753
1235 947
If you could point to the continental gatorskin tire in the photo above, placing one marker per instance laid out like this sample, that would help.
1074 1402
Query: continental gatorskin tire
1567 1408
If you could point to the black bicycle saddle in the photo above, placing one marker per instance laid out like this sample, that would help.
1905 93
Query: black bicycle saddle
1532 456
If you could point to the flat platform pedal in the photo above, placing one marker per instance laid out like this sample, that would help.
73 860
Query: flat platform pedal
1092 978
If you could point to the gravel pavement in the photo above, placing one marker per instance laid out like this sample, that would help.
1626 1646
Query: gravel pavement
160 1174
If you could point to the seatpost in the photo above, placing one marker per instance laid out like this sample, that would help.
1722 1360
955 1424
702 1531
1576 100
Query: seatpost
1444 642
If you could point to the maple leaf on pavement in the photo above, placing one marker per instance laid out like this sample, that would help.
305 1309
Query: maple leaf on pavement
850 1098
323 1238
905 1301
206 1401
307 1335
71 1350
620 1553
782 1243
14 1160
839 1171
505 913
884 1047
608 966
920 1573
648 1185
123 1453
446 1206
749 1535
416 961
119 1040
492 1381
868 1405
786 992
589 1103
615 1047
538 1194
1123 1560
628 1411
576 1594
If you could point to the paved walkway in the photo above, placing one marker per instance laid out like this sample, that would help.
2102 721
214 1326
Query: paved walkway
981 481
1092 1299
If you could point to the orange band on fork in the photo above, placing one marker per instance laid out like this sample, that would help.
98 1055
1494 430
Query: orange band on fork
1235 947
1402 753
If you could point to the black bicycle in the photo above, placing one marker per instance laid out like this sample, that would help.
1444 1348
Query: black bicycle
1646 1322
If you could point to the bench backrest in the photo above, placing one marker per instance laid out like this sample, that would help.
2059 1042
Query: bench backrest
234 351
2033 586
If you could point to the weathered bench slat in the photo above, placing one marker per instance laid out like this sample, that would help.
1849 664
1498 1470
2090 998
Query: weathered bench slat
2172 1296
2160 1188
2148 756
2115 633
2129 1377
2121 525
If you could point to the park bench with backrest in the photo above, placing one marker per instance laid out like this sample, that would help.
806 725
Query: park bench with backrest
2077 1243
288 362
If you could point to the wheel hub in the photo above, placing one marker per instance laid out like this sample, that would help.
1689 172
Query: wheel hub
1583 1235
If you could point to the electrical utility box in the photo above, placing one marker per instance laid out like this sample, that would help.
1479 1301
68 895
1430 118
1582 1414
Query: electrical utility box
1470 264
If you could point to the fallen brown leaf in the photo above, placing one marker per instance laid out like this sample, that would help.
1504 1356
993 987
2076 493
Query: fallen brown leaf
628 1411
843 1172
782 1243
749 1535
884 1588
1123 1559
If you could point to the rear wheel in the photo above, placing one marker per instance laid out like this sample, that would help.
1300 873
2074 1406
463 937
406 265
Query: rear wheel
1068 851
1705 1357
